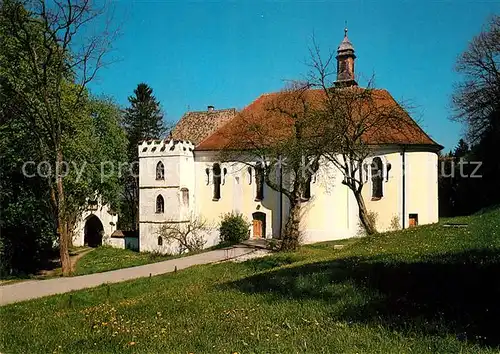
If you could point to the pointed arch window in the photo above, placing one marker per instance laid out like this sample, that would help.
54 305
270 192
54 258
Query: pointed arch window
160 171
160 241
185 197
160 204
377 171
259 181
217 180
249 171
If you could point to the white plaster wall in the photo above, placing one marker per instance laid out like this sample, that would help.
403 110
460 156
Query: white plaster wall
178 161
238 193
389 207
131 243
149 243
422 187
116 242
108 221
331 213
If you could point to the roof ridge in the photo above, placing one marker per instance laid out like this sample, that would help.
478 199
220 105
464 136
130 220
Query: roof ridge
214 111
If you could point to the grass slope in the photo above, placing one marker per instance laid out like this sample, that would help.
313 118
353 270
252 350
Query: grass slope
425 290
107 258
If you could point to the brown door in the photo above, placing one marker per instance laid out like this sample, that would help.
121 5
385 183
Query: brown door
257 228
413 220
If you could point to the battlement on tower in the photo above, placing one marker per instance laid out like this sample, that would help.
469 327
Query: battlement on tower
165 147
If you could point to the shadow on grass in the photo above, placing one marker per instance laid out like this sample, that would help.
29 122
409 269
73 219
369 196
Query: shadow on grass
268 263
449 293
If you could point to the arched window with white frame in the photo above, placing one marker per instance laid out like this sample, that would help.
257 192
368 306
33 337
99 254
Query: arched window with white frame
249 175
217 179
259 181
377 177
160 204
160 171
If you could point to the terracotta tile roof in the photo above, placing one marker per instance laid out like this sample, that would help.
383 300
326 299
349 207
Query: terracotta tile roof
258 124
196 126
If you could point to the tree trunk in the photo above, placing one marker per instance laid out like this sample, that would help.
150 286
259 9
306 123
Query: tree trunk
291 237
70 227
363 215
61 221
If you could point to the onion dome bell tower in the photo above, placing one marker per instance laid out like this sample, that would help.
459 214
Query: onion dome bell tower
345 63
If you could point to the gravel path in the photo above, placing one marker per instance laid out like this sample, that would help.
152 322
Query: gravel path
32 289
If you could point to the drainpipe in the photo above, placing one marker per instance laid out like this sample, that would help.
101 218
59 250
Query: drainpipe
403 174
281 199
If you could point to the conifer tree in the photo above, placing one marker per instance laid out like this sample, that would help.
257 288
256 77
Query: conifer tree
143 120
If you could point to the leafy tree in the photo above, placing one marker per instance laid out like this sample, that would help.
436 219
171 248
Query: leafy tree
112 146
96 148
143 120
46 80
27 228
93 138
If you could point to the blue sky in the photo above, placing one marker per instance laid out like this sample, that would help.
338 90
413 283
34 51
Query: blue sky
226 54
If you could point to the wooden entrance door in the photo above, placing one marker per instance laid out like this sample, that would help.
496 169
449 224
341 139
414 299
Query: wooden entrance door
259 224
257 228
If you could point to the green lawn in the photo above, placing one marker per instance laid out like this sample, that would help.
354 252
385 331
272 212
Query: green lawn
107 258
425 290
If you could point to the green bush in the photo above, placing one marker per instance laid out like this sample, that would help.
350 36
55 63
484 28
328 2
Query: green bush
233 227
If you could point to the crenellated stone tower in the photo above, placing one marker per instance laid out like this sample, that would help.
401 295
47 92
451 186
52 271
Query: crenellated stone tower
166 189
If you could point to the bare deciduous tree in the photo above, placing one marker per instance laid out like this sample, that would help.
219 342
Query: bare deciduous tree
354 121
277 138
312 122
477 97
186 236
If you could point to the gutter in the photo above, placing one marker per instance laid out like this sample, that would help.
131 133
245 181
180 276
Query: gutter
403 174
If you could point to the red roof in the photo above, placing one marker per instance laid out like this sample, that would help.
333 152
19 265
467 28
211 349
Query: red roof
196 126
261 123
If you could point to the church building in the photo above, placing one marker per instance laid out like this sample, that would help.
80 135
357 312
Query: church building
182 177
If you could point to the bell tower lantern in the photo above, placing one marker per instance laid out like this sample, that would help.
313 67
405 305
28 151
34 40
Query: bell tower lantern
345 63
